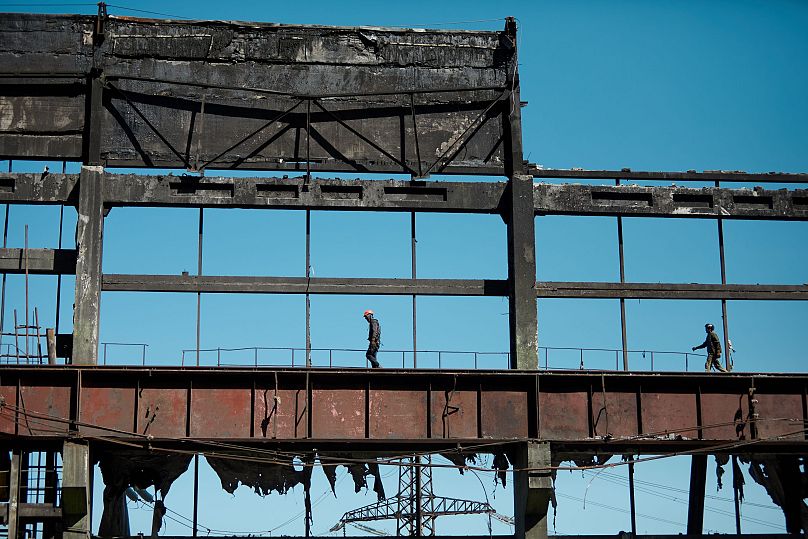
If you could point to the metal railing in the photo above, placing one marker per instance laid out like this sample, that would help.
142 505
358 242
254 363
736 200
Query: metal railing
106 345
262 356
559 358
566 358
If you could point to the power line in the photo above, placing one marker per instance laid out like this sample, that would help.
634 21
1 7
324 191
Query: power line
148 12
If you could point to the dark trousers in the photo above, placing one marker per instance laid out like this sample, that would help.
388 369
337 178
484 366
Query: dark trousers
714 361
373 348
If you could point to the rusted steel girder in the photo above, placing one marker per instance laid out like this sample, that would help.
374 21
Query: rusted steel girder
583 412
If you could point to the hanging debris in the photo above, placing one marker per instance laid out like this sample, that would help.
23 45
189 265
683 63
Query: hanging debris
359 471
138 468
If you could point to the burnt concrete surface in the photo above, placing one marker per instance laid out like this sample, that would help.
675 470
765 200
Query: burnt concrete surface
213 94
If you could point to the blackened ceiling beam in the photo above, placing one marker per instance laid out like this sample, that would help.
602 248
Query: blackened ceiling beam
444 287
689 176
402 195
38 261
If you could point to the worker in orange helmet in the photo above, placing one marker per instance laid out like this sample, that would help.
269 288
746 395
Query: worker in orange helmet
374 338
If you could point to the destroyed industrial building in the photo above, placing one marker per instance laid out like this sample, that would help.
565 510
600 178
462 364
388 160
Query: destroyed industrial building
201 96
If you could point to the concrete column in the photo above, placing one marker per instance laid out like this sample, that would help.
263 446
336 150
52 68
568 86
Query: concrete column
89 242
698 482
13 522
76 490
532 490
522 274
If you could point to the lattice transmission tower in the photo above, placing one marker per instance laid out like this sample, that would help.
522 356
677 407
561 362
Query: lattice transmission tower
415 507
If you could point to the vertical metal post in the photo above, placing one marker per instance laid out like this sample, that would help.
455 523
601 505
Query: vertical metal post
416 472
196 494
631 497
16 338
3 293
723 282
308 277
308 140
59 276
27 354
49 496
413 241
622 281
199 294
38 336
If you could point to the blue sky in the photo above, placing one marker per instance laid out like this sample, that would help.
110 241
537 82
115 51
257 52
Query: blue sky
646 85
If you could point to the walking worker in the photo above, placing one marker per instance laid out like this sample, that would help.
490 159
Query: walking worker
713 346
374 338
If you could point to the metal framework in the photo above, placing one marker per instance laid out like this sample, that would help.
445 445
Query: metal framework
204 95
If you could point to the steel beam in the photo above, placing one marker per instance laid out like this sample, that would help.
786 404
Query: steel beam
689 176
395 409
443 287
548 289
38 261
301 285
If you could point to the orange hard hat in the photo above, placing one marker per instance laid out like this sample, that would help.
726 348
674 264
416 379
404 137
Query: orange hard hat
368 312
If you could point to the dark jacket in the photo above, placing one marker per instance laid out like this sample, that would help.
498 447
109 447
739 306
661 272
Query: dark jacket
712 344
374 330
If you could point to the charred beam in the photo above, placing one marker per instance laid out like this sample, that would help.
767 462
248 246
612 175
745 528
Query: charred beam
302 285
39 261
689 176
670 291
636 201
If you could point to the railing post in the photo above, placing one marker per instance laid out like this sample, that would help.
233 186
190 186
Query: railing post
652 360
475 360
687 366
105 353
143 354
218 357
439 360
293 357
256 356
582 359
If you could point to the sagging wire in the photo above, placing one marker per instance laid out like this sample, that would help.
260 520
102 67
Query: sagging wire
619 509
148 12
677 500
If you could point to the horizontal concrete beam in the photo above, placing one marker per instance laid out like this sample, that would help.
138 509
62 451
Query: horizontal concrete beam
443 287
636 201
297 193
301 285
38 261
690 176
671 291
